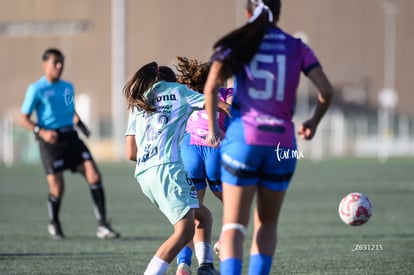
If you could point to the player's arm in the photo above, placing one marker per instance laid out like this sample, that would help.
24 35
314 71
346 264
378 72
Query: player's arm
223 107
82 127
50 136
321 81
210 93
131 149
26 122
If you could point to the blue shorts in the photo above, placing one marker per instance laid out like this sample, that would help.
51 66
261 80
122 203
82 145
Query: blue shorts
202 163
243 164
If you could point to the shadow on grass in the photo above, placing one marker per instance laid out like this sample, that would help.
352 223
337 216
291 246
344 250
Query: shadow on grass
4 256
347 236
74 238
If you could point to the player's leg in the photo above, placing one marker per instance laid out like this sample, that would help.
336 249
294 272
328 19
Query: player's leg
56 190
202 240
194 166
204 219
239 173
264 238
183 233
92 175
236 213
172 191
212 162
217 193
81 161
275 176
52 156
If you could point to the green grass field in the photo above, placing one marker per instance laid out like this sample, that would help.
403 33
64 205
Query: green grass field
312 238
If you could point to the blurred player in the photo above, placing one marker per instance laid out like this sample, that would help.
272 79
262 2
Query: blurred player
201 161
159 108
259 149
60 147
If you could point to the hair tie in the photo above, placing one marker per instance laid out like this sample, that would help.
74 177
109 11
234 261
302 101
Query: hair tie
259 9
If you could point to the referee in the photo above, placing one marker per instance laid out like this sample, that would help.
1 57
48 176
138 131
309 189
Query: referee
60 147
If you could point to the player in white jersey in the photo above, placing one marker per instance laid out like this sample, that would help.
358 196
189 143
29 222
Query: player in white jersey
201 161
159 108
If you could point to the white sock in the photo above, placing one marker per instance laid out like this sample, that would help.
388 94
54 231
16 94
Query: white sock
156 266
204 253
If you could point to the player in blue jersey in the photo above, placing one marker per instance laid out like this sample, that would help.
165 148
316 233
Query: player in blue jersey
201 160
52 99
259 150
159 109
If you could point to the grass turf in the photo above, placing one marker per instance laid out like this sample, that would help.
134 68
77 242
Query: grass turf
312 238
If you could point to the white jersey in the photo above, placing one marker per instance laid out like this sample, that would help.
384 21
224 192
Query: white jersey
159 134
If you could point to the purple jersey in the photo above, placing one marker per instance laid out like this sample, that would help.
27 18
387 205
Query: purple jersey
265 92
197 124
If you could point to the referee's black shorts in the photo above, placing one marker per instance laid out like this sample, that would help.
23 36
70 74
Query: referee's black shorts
67 153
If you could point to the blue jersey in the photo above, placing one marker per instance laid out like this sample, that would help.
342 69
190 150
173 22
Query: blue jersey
53 103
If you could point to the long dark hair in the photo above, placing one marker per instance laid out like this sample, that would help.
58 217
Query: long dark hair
192 73
238 47
142 81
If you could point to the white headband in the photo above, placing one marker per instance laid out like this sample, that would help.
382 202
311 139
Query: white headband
260 6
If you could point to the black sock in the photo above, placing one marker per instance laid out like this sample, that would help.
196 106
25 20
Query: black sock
98 197
53 205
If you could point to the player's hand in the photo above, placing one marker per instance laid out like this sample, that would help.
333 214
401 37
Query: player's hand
214 138
49 136
307 130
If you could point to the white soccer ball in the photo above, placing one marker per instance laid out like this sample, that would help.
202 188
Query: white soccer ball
355 209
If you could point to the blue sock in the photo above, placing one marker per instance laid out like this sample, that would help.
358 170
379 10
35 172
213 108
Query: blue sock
184 256
231 266
260 264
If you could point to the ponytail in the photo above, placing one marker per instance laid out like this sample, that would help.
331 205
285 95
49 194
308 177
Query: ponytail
239 46
192 73
143 80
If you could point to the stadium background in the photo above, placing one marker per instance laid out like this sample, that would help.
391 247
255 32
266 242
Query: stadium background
364 46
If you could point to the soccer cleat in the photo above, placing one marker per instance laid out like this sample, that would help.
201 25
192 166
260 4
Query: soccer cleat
207 269
55 231
183 269
105 231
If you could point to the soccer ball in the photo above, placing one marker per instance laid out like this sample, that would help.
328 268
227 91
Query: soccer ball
355 209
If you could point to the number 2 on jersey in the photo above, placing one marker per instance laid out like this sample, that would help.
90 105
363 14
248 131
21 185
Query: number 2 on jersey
268 76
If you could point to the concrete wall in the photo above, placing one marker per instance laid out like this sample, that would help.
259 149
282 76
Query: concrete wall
347 36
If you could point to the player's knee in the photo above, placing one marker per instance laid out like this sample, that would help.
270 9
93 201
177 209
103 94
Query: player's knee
93 177
203 215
